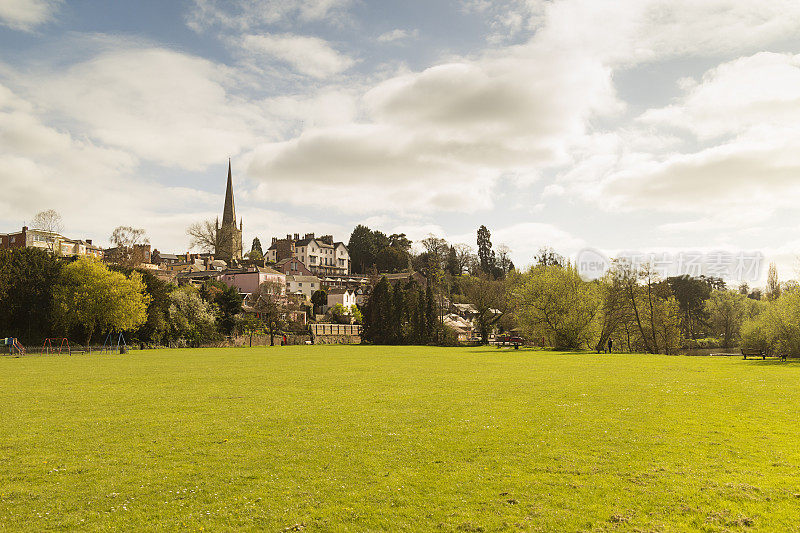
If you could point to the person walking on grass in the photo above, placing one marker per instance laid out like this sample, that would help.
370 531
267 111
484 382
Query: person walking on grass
610 345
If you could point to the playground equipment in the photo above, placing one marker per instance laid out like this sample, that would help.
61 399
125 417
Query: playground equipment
47 345
108 344
14 344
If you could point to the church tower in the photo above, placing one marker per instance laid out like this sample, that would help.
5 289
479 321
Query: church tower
229 237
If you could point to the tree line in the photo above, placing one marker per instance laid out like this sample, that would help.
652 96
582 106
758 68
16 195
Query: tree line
43 296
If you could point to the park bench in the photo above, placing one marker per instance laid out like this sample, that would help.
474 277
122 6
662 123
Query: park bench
754 353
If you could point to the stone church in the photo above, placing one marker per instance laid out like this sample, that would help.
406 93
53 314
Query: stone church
228 236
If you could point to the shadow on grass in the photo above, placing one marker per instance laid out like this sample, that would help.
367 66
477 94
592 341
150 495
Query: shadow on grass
771 362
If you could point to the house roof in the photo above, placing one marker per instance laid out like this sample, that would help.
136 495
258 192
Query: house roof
171 257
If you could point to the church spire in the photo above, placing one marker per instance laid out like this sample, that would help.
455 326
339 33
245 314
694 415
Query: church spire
229 213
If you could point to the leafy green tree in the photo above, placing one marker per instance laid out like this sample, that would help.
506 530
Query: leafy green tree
319 299
555 303
692 294
191 317
156 328
362 249
488 297
229 308
339 314
27 278
726 310
356 314
256 253
90 295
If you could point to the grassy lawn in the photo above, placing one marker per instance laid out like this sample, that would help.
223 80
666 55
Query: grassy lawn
398 438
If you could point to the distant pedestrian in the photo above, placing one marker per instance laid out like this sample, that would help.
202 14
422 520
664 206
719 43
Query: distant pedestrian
610 345
284 340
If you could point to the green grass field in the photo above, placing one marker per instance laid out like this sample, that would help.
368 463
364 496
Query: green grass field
398 438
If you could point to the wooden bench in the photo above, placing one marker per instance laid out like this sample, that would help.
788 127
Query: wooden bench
754 353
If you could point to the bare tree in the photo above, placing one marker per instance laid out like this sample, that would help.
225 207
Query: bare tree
270 302
127 243
504 258
48 221
464 254
773 289
203 236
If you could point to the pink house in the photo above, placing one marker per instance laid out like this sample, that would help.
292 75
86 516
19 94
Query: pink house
249 279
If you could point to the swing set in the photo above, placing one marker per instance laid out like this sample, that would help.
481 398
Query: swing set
61 342
108 344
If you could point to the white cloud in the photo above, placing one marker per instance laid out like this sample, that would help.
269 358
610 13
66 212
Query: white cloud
170 108
308 55
27 14
397 35
635 31
94 188
441 138
245 15
748 107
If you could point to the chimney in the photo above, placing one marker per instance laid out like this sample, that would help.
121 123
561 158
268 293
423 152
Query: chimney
274 240
288 236
309 236
297 236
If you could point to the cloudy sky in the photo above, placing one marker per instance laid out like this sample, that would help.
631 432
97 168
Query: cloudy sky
622 124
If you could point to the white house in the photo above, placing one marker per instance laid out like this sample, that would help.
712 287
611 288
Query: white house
305 285
321 255
346 297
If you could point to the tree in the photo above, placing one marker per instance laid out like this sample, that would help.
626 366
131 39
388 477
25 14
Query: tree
653 312
49 221
256 253
361 248
90 295
269 301
773 289
504 263
228 303
774 325
726 310
378 313
155 329
464 256
27 278
203 236
487 296
339 314
691 294
356 315
485 253
548 257
555 303
191 317
319 299
126 241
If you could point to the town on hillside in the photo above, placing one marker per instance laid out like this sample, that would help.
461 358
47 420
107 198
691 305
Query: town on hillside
315 282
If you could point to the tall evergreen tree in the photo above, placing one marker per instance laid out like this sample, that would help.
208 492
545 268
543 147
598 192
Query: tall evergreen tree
485 253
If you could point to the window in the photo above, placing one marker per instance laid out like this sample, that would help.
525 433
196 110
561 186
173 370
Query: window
300 284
